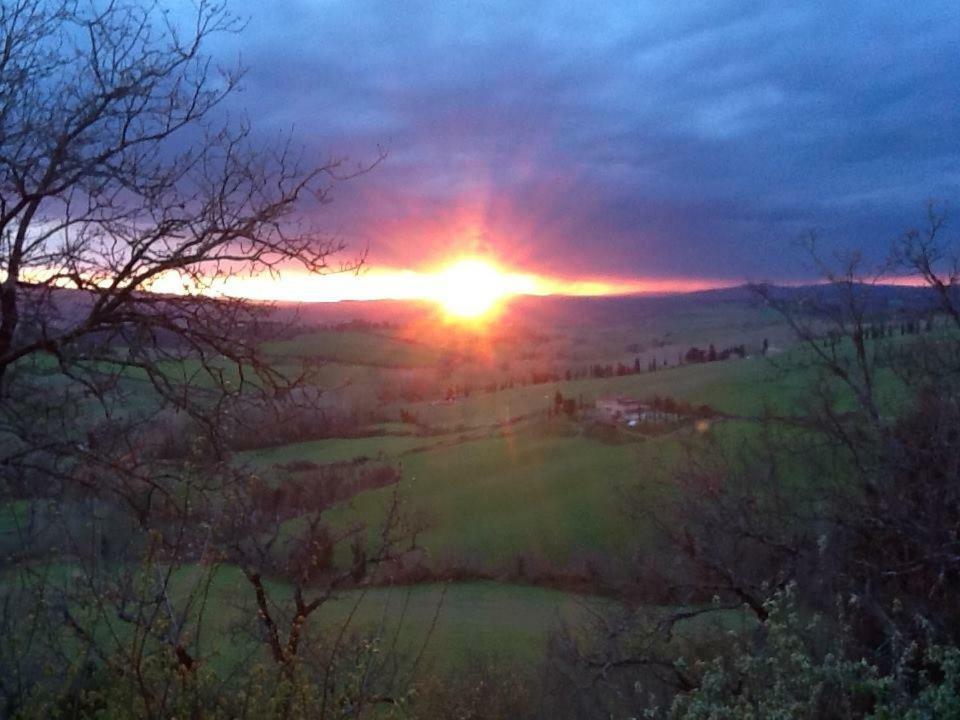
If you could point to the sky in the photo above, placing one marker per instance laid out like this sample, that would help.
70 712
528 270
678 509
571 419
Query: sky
695 141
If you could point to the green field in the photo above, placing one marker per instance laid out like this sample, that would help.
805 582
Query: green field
324 452
357 348
450 621
445 625
488 502
499 489
547 494
742 387
664 333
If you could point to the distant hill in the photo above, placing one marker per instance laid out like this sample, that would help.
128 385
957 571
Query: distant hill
884 300
880 300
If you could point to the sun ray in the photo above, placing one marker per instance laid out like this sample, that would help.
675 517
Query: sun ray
472 288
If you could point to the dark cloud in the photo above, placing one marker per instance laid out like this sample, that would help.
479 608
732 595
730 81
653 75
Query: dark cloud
618 138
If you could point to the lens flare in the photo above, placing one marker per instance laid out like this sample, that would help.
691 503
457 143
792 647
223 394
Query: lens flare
471 288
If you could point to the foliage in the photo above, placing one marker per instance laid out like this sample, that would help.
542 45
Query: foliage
805 671
161 688
485 689
853 493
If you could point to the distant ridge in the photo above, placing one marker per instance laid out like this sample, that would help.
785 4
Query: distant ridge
876 298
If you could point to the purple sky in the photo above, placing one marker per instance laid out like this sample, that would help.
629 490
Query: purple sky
631 139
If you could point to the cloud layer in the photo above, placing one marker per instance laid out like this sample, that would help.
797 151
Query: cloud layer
630 139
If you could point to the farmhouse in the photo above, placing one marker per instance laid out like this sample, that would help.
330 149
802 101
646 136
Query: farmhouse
631 411
619 408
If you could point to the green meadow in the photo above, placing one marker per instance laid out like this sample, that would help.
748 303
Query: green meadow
738 387
356 348
505 493
447 623
487 503
326 452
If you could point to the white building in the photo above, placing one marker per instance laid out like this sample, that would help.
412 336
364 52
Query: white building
631 411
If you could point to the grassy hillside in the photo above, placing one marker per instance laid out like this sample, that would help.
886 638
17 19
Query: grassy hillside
325 452
735 386
448 622
485 617
356 347
487 502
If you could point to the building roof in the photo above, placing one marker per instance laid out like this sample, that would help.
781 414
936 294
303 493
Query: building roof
620 399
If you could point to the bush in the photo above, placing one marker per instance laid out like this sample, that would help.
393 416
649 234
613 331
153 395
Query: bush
802 668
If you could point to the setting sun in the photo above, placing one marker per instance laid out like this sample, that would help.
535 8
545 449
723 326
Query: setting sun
471 287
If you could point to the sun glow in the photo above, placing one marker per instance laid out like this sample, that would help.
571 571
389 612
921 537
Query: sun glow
471 288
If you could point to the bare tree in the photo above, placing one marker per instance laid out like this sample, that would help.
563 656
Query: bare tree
848 493
115 178
128 200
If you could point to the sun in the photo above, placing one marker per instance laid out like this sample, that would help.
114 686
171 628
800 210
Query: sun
470 288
